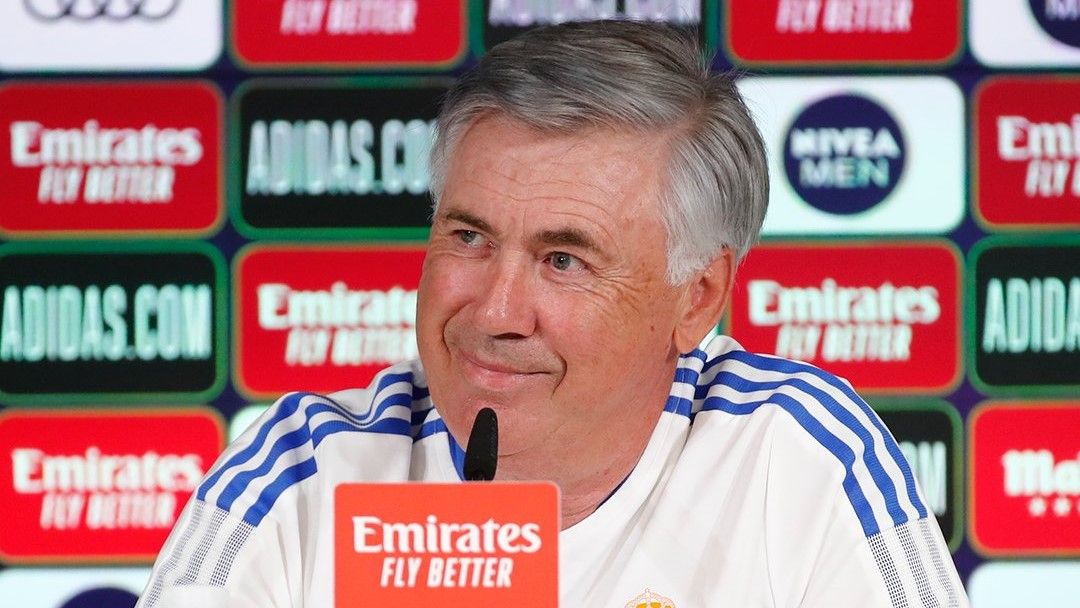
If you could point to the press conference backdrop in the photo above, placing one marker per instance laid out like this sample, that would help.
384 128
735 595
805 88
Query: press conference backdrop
207 204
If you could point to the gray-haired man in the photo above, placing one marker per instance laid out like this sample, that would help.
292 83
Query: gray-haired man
595 187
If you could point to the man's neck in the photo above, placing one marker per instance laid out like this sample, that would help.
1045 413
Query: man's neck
584 489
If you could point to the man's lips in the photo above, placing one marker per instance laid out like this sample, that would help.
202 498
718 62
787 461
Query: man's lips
495 375
493 366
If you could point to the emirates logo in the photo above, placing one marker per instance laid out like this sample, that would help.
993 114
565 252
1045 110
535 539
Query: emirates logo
650 600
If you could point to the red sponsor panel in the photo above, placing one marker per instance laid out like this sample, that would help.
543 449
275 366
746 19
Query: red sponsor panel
489 544
348 33
844 31
323 318
110 157
99 485
1027 151
884 316
1025 478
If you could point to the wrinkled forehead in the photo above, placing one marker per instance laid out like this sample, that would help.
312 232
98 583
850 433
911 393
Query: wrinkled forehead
621 172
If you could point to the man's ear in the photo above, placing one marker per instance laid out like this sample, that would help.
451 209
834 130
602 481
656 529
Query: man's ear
705 299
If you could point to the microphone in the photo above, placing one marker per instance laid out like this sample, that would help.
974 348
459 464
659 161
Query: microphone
482 454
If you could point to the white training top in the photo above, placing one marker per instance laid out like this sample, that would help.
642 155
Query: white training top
766 482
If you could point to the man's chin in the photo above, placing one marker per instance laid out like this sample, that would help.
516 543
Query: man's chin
510 413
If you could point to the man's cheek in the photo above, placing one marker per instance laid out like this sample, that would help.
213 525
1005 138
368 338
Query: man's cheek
441 291
454 281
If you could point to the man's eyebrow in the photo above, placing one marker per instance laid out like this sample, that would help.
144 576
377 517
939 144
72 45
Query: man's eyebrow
457 215
568 237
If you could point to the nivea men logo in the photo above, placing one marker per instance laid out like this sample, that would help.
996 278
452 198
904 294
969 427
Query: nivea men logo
88 10
844 154
336 156
1059 18
528 13
928 434
1027 315
79 320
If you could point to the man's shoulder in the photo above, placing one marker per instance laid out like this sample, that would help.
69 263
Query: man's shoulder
724 378
817 426
298 438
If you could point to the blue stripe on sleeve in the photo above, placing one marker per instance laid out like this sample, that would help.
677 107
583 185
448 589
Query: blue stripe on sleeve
375 420
792 367
297 438
304 469
286 479
831 442
881 479
288 405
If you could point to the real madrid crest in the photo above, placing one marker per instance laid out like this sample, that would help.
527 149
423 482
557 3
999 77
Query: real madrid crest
650 600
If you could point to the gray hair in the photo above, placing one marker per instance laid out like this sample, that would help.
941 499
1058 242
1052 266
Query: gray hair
631 75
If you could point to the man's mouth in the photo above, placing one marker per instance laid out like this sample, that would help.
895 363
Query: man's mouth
493 365
492 374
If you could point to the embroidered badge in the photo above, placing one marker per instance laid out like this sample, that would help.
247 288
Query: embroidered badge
650 600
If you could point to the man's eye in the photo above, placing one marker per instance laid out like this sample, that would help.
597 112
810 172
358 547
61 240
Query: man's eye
470 237
565 261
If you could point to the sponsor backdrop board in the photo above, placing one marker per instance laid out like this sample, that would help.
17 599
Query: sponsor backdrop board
187 180
1024 315
116 157
1025 469
110 35
320 157
889 328
347 34
87 322
496 21
73 587
1025 33
322 316
861 155
100 485
1000 584
1026 160
810 33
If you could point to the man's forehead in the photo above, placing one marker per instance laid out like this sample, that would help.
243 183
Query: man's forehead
512 137
617 172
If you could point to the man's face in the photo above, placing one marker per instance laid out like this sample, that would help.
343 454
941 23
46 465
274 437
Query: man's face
543 293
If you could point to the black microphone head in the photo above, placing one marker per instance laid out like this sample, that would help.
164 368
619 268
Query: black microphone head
482 454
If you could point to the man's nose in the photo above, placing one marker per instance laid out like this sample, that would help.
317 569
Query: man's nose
505 306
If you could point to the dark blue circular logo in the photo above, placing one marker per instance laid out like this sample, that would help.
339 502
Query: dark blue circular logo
104 597
1059 19
844 154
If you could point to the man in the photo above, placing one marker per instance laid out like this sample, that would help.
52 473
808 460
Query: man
595 188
